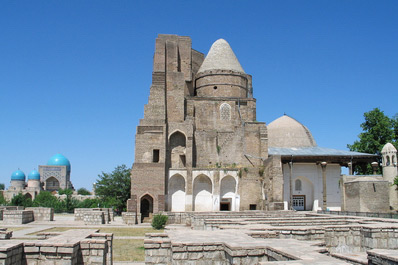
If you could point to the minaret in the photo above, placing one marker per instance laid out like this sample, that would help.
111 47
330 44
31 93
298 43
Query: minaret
389 164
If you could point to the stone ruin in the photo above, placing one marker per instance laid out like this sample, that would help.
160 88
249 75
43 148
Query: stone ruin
94 216
283 237
18 215
76 246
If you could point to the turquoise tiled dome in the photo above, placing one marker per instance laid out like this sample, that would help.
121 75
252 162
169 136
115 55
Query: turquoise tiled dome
18 175
59 160
34 174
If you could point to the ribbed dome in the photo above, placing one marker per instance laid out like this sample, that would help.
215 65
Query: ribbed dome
18 175
34 174
286 132
221 57
388 148
59 160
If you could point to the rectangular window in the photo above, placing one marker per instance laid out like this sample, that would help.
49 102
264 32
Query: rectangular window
253 207
155 156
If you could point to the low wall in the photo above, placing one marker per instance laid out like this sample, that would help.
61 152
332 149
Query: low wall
129 218
362 214
382 257
42 213
17 217
359 238
80 214
4 234
11 253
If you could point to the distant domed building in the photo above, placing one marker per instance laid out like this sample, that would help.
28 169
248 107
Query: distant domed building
51 177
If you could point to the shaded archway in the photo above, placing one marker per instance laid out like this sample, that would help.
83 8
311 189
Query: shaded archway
303 194
177 193
28 196
227 193
202 194
52 184
177 144
146 208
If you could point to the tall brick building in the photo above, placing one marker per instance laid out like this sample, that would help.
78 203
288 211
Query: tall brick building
199 146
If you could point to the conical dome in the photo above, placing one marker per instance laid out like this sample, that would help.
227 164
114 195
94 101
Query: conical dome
221 57
287 132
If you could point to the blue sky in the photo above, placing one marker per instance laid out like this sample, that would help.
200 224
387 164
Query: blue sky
75 75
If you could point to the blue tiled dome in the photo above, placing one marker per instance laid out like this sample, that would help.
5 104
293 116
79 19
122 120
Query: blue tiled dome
18 175
59 160
34 174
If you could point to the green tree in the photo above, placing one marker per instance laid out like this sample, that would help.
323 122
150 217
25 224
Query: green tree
2 186
21 200
65 192
3 201
378 129
46 199
114 188
83 191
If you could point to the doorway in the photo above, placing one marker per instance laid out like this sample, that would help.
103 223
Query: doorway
299 202
146 208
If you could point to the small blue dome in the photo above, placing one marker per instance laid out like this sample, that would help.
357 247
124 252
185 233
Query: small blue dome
34 174
59 160
18 175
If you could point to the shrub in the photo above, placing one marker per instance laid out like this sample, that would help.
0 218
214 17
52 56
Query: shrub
159 221
83 191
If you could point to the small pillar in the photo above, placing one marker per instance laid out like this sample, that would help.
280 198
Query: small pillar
324 205
350 168
375 166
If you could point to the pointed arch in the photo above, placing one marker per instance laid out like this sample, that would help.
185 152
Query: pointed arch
177 193
177 149
202 194
146 206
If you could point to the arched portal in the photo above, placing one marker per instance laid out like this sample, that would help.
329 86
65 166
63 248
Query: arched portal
227 193
177 150
177 193
146 208
202 194
303 194
52 184
28 196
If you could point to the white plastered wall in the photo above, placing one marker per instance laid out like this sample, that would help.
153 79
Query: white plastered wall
312 174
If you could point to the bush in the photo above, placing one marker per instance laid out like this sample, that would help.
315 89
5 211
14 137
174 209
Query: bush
83 191
159 221
21 200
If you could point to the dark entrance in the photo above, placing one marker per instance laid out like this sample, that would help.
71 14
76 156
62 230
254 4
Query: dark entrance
146 208
225 206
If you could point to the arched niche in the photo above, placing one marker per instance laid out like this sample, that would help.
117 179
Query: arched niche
177 150
227 193
202 194
303 198
177 193
52 184
146 207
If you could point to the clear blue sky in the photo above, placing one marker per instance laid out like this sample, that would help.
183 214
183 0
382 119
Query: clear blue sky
75 75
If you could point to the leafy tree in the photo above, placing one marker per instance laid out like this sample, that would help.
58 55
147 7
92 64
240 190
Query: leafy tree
378 129
65 192
114 188
2 186
83 191
21 200
46 199
3 201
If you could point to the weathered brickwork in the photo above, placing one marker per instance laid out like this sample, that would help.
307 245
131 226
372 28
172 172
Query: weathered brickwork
17 217
42 213
200 117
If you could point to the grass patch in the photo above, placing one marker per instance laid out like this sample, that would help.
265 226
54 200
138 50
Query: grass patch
128 250
117 231
129 231
17 228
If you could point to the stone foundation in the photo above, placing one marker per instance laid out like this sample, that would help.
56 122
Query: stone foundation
129 218
78 246
42 213
17 217
94 216
4 234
